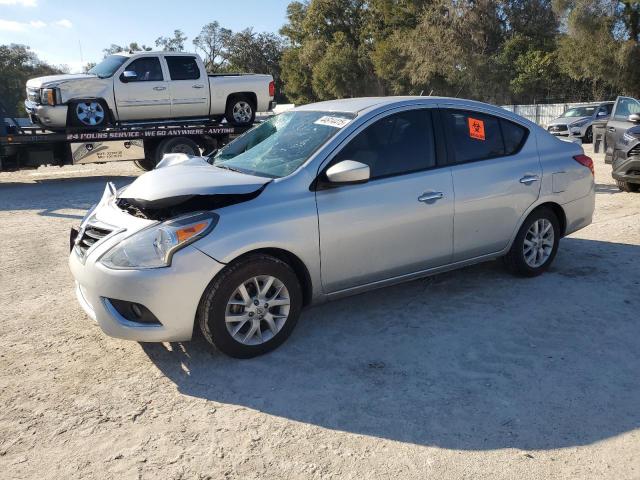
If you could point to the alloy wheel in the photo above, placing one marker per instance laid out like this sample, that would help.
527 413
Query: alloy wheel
90 113
257 310
242 112
538 243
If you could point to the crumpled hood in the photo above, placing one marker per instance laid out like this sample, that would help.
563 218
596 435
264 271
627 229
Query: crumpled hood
54 80
179 175
566 120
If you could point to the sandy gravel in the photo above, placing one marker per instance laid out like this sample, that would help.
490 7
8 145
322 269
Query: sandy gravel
472 374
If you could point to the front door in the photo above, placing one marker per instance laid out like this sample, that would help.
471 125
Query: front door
146 96
496 176
619 123
399 222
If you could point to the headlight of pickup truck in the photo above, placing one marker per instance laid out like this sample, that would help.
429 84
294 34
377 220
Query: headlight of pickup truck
48 96
154 246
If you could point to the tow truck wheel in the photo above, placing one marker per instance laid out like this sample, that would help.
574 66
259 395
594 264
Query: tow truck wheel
168 145
89 114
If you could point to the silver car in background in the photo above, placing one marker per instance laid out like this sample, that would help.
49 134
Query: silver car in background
324 201
577 122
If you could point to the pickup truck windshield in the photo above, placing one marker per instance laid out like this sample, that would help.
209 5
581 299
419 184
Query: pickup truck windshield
108 66
281 144
579 112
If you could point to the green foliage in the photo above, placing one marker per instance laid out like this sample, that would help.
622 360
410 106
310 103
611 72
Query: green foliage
172 44
18 64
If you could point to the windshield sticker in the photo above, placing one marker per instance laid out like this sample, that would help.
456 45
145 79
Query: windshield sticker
336 122
476 128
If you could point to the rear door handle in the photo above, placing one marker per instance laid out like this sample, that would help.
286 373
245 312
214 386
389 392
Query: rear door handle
429 197
611 129
197 85
529 179
159 88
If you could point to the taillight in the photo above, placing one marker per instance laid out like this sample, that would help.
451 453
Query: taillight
586 161
272 89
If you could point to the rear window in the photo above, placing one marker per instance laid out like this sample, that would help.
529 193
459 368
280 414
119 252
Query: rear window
182 68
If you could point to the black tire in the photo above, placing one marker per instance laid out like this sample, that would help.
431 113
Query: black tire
515 259
146 164
213 304
75 121
244 102
588 136
175 145
627 187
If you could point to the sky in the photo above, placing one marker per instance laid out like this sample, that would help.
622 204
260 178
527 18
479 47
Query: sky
73 32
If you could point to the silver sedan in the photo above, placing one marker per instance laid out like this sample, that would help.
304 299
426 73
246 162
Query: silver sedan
320 202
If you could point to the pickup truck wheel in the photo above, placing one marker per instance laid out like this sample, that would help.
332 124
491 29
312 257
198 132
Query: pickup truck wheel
241 111
89 114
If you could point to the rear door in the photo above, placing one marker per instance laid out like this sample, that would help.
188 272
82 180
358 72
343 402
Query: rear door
401 220
145 97
189 87
496 177
619 123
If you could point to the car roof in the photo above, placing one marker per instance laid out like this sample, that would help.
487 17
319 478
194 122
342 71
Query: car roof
155 52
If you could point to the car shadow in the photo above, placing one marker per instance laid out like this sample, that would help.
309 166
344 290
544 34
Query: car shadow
50 197
474 359
607 188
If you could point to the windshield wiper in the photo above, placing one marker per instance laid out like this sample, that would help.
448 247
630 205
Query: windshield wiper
227 167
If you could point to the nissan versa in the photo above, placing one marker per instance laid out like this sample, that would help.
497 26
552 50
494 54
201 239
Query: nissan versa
323 201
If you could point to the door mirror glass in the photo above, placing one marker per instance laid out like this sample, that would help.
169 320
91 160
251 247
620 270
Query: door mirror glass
634 117
128 76
348 171
602 113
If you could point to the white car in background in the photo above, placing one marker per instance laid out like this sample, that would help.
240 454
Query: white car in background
147 86
577 121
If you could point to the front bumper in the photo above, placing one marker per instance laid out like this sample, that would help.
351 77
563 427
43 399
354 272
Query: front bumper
47 115
627 169
172 294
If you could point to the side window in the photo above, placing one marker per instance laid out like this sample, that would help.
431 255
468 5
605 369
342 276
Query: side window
625 107
475 136
514 136
147 69
397 144
182 68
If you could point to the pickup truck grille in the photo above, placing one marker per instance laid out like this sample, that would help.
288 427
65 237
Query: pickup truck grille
91 235
33 95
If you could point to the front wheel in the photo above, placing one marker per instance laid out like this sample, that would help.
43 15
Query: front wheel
88 114
536 244
588 136
251 307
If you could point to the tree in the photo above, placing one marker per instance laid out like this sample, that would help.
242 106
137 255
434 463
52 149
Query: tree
212 43
18 64
132 47
172 44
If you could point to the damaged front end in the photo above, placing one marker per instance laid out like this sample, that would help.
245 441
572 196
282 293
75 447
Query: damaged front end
182 184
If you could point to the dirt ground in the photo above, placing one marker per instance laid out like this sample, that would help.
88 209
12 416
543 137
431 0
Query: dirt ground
472 374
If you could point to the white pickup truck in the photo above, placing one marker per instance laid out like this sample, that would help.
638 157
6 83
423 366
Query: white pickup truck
147 86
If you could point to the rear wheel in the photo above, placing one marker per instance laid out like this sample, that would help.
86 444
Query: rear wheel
168 145
241 110
251 307
588 136
627 187
536 244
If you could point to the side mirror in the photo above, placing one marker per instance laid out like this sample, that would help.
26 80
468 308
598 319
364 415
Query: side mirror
602 114
348 172
634 118
128 76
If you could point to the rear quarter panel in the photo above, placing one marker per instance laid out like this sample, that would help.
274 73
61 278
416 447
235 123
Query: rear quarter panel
222 87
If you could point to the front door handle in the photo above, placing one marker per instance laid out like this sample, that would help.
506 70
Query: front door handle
429 197
529 179
158 89
197 85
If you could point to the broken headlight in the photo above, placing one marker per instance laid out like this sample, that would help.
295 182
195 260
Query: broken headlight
154 246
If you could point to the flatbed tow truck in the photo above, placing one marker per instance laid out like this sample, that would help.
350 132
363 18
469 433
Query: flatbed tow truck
145 143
